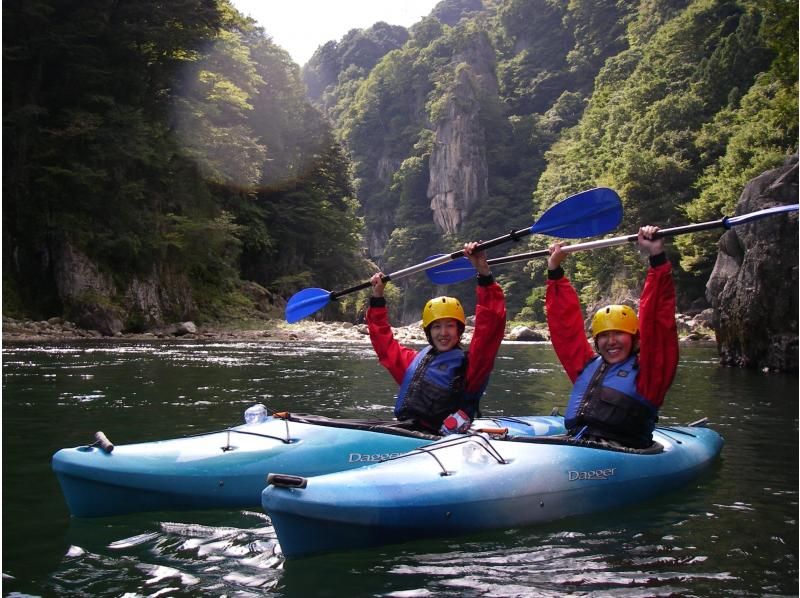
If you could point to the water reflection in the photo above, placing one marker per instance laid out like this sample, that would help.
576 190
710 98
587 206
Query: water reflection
198 553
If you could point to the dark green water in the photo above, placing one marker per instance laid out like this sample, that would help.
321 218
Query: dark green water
734 532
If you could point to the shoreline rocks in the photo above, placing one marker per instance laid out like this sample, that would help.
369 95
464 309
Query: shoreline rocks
692 330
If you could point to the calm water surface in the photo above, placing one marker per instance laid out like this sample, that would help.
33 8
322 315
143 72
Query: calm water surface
733 532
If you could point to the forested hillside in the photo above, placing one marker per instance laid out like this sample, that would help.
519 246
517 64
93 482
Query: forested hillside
156 155
675 104
167 161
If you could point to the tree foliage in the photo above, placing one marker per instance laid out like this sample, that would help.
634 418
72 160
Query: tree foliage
141 133
662 116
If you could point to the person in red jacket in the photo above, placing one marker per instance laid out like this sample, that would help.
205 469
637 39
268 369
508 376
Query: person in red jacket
617 390
441 385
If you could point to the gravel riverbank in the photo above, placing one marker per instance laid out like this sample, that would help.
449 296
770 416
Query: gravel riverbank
58 329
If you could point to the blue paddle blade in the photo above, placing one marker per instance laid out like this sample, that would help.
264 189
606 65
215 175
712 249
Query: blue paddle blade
306 302
585 214
453 271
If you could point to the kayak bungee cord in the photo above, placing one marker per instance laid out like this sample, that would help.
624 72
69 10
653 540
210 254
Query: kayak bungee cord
700 423
450 442
507 418
286 440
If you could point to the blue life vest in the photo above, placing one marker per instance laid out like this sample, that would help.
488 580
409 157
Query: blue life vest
604 402
433 387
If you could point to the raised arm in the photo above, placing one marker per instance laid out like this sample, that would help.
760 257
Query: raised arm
392 355
490 322
658 342
564 317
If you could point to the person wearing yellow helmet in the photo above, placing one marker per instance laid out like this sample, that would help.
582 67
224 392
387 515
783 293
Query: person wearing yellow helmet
443 321
615 329
619 386
441 385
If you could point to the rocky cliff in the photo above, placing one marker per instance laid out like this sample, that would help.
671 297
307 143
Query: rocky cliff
754 286
458 169
93 301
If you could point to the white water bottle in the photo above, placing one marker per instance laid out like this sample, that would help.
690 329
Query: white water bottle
256 414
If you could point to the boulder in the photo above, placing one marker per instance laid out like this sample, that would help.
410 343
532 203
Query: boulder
707 318
104 319
523 333
753 288
184 328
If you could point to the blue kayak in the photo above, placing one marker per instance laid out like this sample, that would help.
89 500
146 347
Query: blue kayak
228 468
474 482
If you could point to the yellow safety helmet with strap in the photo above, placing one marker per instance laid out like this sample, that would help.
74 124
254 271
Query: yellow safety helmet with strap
615 317
442 307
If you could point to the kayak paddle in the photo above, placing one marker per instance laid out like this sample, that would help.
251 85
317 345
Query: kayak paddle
592 212
462 269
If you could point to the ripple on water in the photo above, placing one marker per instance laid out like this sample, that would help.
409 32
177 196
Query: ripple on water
179 558
603 562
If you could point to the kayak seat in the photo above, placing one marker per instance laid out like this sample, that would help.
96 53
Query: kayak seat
563 439
390 426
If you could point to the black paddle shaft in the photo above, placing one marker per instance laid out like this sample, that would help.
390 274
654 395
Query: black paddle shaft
514 235
667 232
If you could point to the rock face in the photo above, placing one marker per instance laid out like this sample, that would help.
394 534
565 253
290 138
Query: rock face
160 297
84 292
458 169
92 300
382 223
754 286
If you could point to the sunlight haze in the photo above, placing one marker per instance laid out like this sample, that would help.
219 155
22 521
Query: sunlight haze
301 26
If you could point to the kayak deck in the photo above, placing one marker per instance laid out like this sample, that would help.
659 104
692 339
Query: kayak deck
472 482
228 468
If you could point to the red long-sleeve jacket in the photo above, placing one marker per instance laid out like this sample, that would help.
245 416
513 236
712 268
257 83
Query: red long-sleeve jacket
658 333
490 324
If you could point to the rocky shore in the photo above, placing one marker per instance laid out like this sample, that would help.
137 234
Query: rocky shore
690 329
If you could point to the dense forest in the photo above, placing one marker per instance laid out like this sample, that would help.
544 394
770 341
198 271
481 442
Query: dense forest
163 160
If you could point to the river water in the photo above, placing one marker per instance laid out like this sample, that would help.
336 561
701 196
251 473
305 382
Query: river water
734 531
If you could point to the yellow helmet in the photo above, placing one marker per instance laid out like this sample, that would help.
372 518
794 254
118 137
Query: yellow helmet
615 317
442 307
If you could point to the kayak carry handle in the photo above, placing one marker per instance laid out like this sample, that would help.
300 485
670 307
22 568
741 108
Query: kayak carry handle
103 442
282 480
494 431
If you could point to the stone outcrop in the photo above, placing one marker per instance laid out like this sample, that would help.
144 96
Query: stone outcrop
160 303
84 291
93 301
161 297
458 168
754 286
264 301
